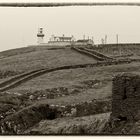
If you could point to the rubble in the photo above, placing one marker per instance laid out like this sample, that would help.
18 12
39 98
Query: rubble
27 117
91 83
84 108
51 93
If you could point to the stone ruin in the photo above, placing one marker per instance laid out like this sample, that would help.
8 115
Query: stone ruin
126 97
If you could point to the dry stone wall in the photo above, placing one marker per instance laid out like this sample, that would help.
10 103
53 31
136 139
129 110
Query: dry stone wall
126 97
98 54
88 53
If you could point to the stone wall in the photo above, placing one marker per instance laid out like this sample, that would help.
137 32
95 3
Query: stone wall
82 51
105 57
126 97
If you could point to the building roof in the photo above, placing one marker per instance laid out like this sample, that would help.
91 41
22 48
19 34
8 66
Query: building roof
63 37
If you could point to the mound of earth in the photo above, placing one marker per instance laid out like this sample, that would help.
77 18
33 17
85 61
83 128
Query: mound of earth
79 125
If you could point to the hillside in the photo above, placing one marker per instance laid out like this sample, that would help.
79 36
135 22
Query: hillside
33 59
88 87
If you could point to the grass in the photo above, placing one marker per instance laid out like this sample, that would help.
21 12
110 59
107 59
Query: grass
33 58
83 93
19 51
115 50
73 79
42 59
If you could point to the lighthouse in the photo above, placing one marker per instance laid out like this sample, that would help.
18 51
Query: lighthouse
40 36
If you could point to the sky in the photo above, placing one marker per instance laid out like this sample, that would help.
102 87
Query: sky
19 26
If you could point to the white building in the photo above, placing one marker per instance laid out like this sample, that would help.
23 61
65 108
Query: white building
61 40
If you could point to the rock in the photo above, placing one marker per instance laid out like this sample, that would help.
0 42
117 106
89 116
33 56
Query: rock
31 97
73 112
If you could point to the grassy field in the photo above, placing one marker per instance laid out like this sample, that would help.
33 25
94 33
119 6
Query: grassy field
120 50
74 80
72 77
42 59
68 87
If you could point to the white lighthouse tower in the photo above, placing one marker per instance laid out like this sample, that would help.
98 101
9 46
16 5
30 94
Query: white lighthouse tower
40 36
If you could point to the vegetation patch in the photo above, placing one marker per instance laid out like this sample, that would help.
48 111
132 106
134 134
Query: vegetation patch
27 117
8 73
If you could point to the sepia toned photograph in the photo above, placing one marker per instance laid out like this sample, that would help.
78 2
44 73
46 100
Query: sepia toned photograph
70 68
